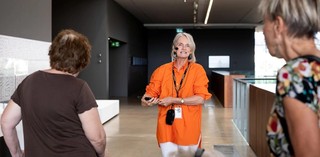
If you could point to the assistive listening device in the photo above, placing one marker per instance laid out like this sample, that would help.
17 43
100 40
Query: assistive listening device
170 116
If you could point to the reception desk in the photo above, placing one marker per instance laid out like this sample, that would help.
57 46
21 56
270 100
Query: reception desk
222 86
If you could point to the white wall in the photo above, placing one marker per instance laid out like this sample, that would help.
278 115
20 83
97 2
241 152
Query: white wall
18 58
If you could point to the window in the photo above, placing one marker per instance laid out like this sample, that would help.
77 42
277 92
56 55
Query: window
265 64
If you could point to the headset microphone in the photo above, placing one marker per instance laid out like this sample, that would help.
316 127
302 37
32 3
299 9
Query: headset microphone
175 52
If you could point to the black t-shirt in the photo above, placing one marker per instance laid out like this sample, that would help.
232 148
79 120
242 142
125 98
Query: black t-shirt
50 104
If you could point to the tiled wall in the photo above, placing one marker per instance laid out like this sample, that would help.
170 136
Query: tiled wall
18 58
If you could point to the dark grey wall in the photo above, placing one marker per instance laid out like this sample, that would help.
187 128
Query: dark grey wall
88 18
125 79
237 43
98 20
29 19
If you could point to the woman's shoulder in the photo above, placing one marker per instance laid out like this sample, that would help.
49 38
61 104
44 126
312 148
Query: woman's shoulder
162 69
302 64
165 66
297 69
31 76
169 64
195 65
302 60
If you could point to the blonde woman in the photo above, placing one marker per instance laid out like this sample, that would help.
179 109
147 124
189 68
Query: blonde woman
289 28
179 89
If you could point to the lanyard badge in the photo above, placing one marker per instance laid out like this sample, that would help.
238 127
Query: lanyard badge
176 112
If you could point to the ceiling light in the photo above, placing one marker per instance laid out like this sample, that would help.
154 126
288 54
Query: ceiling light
208 12
195 5
195 11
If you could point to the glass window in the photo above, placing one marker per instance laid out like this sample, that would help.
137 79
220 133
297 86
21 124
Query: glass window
265 64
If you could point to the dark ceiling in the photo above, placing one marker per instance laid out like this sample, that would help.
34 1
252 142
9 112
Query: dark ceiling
192 13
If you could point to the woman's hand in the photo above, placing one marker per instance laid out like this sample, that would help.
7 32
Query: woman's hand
147 100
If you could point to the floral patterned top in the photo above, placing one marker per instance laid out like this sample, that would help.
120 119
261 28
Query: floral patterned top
299 79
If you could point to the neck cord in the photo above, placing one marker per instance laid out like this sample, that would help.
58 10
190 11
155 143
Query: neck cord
174 80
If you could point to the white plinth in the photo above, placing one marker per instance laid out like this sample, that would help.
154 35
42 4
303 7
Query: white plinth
108 109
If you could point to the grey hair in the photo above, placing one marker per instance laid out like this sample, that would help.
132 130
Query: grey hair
190 42
300 16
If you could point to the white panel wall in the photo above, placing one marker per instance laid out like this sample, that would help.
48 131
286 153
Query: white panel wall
18 58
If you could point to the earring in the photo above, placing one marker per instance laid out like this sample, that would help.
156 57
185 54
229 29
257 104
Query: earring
190 57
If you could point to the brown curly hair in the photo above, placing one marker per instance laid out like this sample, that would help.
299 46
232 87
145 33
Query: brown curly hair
70 52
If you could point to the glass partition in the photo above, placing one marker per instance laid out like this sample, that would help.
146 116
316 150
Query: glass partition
241 101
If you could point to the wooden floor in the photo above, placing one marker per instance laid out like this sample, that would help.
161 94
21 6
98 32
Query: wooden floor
132 132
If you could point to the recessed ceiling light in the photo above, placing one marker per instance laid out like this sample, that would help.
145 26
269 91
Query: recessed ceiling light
208 12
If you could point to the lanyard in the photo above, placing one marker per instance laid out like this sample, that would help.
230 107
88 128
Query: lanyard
174 80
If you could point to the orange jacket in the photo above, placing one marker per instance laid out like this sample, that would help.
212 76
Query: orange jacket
185 130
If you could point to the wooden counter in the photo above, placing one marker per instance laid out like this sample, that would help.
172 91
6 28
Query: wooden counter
261 98
222 86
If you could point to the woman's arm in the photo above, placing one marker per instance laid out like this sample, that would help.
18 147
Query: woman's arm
303 126
192 100
93 130
9 120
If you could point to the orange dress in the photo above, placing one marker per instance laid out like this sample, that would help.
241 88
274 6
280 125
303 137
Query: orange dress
186 130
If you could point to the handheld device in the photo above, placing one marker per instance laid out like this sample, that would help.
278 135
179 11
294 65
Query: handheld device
170 117
147 98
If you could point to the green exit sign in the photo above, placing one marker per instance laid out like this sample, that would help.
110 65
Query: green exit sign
115 44
179 30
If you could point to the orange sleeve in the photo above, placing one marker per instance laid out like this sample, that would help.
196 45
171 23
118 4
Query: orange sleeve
201 83
154 87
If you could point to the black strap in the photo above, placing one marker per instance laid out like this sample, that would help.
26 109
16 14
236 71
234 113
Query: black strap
174 79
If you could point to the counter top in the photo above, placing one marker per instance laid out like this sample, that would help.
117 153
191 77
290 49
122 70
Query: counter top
268 87
224 72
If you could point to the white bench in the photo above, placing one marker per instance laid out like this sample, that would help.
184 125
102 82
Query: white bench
108 109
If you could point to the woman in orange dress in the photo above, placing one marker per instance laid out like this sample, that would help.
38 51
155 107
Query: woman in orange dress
179 88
